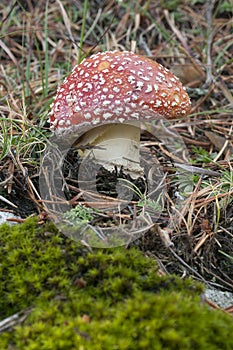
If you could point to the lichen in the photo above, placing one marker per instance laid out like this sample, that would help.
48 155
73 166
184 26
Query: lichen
105 299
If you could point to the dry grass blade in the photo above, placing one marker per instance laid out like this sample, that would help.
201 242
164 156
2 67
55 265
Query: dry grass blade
68 25
8 202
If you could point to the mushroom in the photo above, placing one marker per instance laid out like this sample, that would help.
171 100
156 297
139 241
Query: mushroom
105 99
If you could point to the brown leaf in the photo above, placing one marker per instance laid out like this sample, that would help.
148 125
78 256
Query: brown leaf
219 142
188 74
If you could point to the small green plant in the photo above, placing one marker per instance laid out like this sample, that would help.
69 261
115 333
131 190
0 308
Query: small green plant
227 180
143 198
224 6
5 140
80 214
222 188
21 138
202 156
184 181
227 255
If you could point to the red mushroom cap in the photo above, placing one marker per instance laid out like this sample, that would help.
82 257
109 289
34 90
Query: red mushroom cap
116 87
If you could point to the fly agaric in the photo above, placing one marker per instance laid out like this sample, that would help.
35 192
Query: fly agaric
106 97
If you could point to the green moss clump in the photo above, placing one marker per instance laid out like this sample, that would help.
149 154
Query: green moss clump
108 299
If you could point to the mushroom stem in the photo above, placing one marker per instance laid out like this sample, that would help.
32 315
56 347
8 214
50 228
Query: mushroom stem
114 145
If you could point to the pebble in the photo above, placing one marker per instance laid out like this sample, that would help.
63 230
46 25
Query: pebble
221 298
4 215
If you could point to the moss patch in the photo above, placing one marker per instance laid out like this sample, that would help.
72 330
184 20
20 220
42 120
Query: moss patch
108 299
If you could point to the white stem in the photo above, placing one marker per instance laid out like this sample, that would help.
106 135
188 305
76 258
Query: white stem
114 145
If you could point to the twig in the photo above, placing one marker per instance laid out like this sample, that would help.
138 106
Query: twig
8 202
9 13
187 266
143 46
12 320
3 183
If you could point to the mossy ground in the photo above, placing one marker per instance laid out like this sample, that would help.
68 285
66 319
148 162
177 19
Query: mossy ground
106 299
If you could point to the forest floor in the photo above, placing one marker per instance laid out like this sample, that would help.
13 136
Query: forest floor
40 43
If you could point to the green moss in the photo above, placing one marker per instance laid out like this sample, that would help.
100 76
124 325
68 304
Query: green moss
108 299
